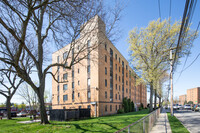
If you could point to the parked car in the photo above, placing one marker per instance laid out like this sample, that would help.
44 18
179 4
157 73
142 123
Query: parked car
196 107
187 107
179 106
175 106
22 114
13 114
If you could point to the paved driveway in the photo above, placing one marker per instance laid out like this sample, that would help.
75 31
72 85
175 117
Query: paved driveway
190 119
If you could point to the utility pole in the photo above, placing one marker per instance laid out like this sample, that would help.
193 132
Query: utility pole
171 79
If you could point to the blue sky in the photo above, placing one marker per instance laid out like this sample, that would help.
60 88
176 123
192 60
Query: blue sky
138 13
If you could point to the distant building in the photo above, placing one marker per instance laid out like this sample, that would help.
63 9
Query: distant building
193 95
99 82
182 99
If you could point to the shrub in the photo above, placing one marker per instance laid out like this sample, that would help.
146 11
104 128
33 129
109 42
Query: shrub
125 105
141 105
129 105
132 106
120 111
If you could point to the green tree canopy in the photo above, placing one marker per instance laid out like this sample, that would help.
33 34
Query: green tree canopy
150 47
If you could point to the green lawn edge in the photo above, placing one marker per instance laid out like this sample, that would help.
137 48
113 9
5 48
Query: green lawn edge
176 125
100 124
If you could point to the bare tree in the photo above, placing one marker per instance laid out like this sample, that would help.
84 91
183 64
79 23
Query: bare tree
29 95
47 22
10 82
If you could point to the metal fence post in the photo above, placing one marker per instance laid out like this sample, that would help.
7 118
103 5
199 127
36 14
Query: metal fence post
144 126
129 129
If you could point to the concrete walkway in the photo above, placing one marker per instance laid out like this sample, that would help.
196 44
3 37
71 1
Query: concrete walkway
162 125
31 121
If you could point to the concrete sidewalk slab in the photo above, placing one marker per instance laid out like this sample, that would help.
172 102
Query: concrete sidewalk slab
162 124
31 121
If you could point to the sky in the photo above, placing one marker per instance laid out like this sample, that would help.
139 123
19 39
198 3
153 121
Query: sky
138 13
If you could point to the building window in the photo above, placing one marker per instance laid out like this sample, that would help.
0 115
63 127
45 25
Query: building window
105 71
78 94
119 69
105 58
58 88
119 106
116 56
73 96
116 86
58 59
126 82
126 90
119 59
115 76
72 85
116 96
65 87
65 65
106 94
89 95
78 82
119 97
65 76
119 87
88 69
119 79
105 46
126 67
126 74
78 70
110 108
58 78
88 81
106 108
65 98
116 107
88 107
72 73
58 99
115 66
64 55
105 82
88 43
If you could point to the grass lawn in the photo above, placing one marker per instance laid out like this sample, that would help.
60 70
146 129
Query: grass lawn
176 125
100 124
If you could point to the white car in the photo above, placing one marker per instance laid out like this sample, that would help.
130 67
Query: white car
187 107
21 114
180 106
175 106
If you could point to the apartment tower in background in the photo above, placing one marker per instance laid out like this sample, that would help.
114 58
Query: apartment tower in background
100 81
193 95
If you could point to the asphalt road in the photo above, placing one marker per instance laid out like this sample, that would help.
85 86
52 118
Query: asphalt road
190 119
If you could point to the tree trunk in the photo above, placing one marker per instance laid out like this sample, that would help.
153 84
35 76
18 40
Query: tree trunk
155 99
8 108
151 97
43 114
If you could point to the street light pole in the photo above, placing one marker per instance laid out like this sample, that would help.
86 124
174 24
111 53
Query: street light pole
171 79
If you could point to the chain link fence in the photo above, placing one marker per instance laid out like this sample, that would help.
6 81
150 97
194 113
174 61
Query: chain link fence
143 125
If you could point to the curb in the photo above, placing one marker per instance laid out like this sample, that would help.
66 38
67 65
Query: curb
183 124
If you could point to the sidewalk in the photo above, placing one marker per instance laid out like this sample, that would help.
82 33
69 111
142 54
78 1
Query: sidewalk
162 125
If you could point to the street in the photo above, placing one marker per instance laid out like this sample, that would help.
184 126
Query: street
190 119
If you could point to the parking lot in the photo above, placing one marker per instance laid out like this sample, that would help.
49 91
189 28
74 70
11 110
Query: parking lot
190 119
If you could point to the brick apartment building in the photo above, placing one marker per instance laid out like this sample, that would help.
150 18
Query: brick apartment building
193 95
99 82
182 99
